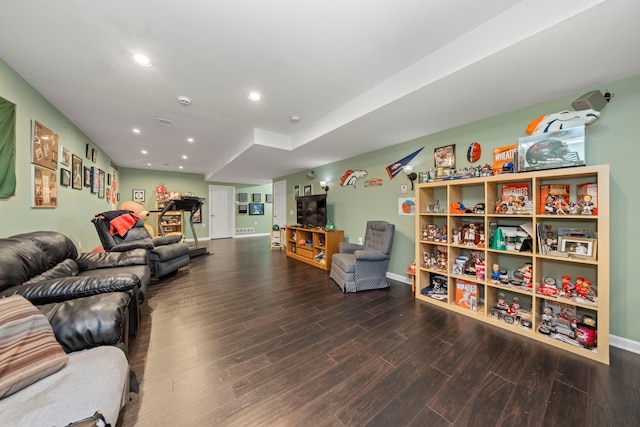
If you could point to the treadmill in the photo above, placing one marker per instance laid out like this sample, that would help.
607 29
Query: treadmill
186 204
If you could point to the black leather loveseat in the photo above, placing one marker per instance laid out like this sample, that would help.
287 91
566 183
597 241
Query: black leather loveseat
45 267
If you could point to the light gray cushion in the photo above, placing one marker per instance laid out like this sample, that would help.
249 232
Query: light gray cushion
94 380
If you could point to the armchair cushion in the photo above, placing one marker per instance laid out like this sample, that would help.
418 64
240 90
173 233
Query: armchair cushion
29 351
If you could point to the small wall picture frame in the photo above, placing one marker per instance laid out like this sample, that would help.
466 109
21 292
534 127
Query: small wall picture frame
94 155
242 209
76 172
256 197
65 156
87 176
256 208
296 191
308 190
268 198
88 151
65 177
445 157
243 197
137 195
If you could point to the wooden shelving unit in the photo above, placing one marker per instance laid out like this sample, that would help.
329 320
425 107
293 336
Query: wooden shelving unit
480 296
171 222
318 248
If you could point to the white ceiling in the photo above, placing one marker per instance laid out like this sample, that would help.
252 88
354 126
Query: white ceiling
360 74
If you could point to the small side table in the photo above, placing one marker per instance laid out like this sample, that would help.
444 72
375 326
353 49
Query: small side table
413 280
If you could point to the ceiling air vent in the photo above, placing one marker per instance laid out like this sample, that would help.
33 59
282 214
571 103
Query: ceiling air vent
164 122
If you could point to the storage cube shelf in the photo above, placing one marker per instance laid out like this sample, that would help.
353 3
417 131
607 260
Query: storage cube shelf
561 294
318 248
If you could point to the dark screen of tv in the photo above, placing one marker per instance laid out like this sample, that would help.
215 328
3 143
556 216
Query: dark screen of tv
312 211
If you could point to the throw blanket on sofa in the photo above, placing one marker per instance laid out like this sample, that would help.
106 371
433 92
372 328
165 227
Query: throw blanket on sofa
120 222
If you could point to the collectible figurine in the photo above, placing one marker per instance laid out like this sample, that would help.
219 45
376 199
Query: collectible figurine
456 236
587 204
515 305
547 317
443 234
495 273
527 273
550 205
501 302
567 285
424 232
436 205
470 235
582 287
481 238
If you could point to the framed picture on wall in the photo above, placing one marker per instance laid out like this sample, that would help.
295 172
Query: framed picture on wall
197 216
296 191
76 172
65 177
256 197
242 209
44 146
65 156
256 208
101 186
87 176
268 198
308 190
138 196
95 179
44 183
445 157
243 197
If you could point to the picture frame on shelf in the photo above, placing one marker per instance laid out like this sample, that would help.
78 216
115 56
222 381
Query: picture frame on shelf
578 246
65 177
445 157
76 172
137 195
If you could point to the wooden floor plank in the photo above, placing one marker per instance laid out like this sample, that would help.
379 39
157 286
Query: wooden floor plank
249 337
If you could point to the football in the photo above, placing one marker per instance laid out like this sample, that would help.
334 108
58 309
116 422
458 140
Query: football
474 152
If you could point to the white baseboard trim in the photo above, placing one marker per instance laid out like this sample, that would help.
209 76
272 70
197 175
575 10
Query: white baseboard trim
193 240
399 278
241 236
624 344
614 341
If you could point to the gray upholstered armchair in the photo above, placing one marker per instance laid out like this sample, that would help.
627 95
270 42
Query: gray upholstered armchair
363 267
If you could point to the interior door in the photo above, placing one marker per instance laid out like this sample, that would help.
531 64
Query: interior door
280 203
222 220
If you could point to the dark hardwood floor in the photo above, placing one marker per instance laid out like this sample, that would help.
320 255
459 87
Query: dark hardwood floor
249 337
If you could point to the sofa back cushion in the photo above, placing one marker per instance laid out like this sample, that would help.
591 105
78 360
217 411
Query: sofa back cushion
28 348
28 255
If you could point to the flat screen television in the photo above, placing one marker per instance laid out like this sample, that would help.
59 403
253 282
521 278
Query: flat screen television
312 211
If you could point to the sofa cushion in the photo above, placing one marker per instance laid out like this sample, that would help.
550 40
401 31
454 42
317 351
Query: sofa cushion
94 380
28 348
25 258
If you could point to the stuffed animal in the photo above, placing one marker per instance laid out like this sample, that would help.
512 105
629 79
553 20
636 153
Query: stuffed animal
562 120
139 210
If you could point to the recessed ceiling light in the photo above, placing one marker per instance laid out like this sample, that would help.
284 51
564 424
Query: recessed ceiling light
180 167
144 151
135 130
141 59
184 156
148 164
190 139
255 96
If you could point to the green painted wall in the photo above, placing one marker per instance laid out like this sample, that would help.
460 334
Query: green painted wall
610 140
75 207
262 223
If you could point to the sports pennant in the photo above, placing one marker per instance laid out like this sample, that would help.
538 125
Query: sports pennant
396 167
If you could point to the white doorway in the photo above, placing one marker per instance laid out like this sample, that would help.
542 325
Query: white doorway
222 220
280 203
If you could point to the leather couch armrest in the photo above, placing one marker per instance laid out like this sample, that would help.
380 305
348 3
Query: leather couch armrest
145 243
92 260
66 288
